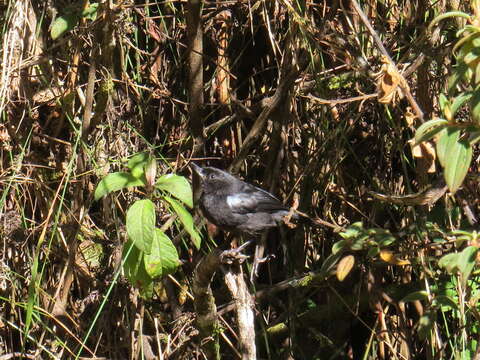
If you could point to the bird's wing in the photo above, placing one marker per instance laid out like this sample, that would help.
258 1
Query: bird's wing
252 199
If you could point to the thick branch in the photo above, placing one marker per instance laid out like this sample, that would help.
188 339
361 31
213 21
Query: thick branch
204 303
243 301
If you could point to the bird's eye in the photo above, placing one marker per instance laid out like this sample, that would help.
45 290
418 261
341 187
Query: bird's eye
211 176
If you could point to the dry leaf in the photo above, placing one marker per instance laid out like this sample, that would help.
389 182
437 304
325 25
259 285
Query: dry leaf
389 257
345 266
388 83
425 153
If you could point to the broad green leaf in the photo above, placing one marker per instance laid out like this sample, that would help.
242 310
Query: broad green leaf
186 220
176 186
132 258
353 230
134 269
137 163
163 258
467 260
462 262
429 129
116 181
417 295
457 158
442 141
63 24
141 224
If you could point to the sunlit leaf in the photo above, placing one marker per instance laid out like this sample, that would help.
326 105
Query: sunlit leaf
141 224
163 258
462 262
457 156
391 258
91 11
176 186
116 181
63 24
446 302
137 164
186 220
429 129
345 266
134 269
475 105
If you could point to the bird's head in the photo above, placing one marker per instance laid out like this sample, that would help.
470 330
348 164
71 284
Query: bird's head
213 179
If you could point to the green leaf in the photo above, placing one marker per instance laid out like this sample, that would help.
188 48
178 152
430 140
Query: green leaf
475 105
163 258
141 224
186 219
446 16
467 260
90 12
446 302
63 24
429 129
459 101
460 72
339 245
417 295
116 181
134 269
442 146
443 101
457 156
176 186
329 264
462 262
472 57
137 163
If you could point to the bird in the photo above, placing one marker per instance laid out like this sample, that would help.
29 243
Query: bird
235 205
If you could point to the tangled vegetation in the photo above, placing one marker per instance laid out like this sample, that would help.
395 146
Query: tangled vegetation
362 114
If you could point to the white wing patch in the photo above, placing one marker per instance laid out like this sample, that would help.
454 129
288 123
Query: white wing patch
237 200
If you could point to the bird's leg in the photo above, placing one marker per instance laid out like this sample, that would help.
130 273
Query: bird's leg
230 256
256 265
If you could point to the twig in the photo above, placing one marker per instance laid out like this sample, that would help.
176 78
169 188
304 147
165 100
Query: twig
403 84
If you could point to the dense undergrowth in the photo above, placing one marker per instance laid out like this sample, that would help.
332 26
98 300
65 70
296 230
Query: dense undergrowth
318 102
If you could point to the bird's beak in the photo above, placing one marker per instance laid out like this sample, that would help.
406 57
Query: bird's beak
198 174
197 170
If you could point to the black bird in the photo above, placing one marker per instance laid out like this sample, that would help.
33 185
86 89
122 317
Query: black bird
234 205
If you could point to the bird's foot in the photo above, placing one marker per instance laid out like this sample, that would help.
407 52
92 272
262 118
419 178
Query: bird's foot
256 265
230 256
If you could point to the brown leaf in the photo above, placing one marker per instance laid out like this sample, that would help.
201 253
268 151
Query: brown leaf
389 257
345 266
